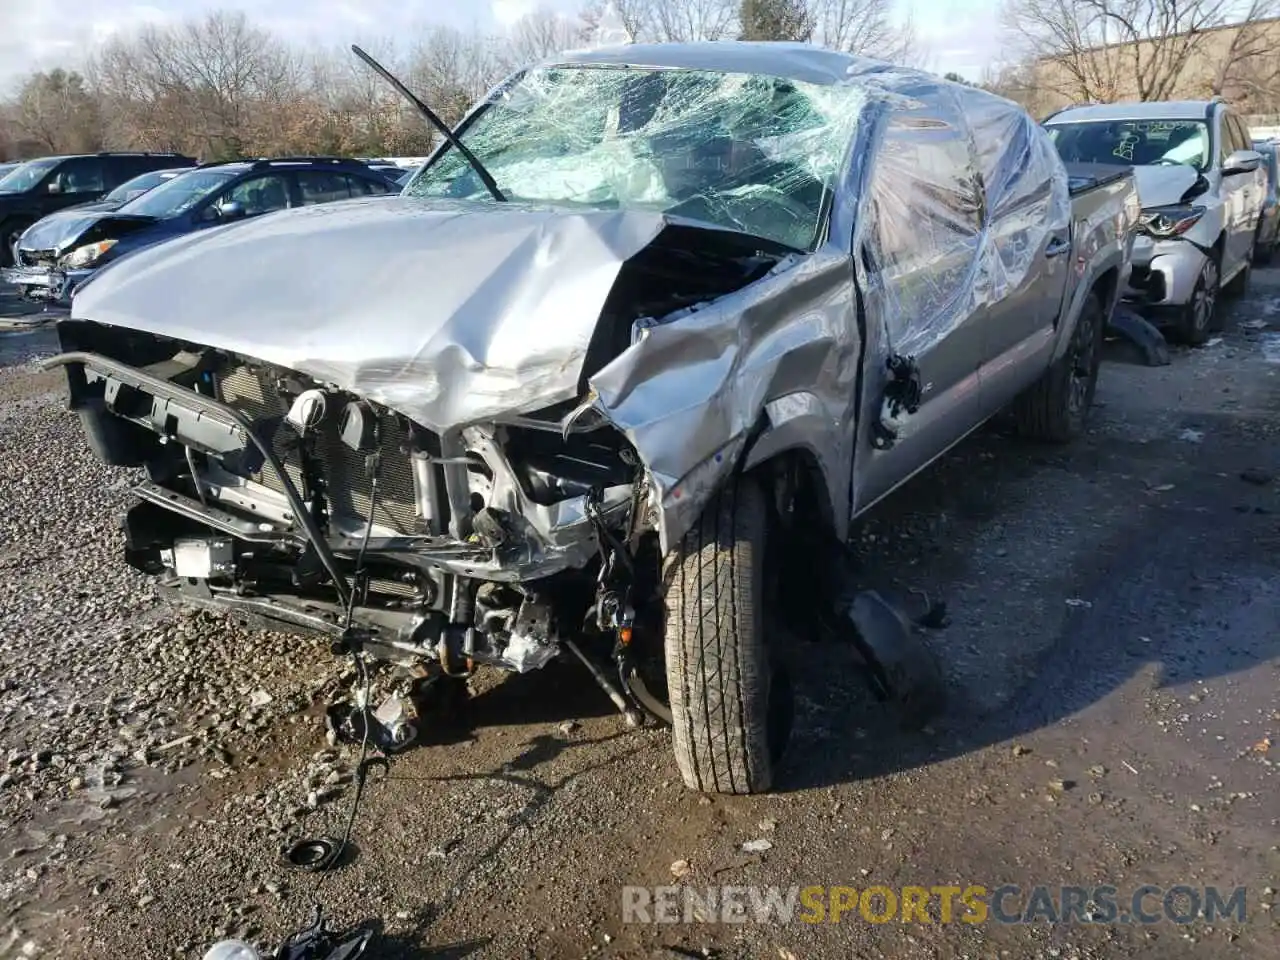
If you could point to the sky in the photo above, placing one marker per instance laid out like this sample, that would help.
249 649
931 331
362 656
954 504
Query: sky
960 34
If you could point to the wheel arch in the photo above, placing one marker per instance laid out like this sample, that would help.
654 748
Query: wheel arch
781 454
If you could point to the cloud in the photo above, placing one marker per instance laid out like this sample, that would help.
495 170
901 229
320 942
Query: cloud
507 12
964 36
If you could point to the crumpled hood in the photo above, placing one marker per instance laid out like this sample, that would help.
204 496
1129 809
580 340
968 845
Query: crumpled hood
447 312
59 231
1164 184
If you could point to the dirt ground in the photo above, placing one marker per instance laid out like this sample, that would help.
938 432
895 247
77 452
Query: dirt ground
1113 659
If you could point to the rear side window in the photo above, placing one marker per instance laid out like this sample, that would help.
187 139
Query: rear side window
82 175
1233 136
926 203
1243 140
370 187
324 186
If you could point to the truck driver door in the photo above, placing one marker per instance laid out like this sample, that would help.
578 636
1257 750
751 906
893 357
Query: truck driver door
920 253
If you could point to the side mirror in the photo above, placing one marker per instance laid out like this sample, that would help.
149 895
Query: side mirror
1241 161
55 186
230 210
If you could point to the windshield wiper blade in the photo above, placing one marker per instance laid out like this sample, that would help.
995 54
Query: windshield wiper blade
485 177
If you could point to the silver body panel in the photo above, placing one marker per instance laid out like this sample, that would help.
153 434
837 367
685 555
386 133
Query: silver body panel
464 315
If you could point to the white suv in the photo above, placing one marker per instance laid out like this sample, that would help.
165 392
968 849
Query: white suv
1202 187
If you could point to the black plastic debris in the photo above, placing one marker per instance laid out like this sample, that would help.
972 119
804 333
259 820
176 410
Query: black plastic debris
313 853
1127 323
318 942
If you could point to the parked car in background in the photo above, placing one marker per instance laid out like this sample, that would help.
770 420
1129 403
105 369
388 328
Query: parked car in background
1202 186
58 253
617 372
1268 237
129 190
122 195
38 188
392 171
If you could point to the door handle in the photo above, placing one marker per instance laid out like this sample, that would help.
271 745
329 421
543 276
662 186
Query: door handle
1057 247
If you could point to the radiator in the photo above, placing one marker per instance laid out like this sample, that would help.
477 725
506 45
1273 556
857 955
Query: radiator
347 479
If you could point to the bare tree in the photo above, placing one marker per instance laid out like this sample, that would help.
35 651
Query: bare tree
451 70
1017 81
57 112
667 21
227 84
686 20
863 27
358 112
1144 49
539 35
599 16
219 86
1248 72
774 20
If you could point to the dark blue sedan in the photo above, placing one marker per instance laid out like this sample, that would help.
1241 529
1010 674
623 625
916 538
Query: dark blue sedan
56 254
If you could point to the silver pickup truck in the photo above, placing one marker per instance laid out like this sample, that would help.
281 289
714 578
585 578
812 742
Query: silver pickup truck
613 376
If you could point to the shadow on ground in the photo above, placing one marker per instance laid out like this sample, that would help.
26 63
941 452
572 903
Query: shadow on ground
1175 574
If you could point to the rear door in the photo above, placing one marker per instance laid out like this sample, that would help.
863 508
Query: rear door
1028 210
1237 195
1255 192
920 255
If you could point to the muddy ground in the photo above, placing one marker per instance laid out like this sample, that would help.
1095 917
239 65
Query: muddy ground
1113 657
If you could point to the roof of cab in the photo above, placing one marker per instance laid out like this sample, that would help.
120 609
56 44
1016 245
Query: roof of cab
1148 110
792 61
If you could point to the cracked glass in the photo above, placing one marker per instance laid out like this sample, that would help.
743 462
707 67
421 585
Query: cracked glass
752 153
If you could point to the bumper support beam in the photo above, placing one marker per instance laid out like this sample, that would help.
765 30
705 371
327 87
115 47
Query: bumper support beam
133 377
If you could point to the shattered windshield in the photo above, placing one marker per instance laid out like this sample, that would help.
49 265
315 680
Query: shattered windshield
178 195
1136 142
26 176
750 153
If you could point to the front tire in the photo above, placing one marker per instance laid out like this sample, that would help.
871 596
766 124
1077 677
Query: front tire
730 699
9 234
1196 320
1056 407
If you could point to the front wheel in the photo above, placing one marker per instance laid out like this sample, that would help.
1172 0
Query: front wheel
730 698
1197 318
9 234
1056 407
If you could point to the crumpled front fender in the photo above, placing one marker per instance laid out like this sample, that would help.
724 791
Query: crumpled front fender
691 390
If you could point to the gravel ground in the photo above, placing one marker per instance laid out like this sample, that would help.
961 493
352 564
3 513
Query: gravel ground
1112 656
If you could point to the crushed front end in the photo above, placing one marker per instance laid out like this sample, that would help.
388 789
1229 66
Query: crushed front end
289 500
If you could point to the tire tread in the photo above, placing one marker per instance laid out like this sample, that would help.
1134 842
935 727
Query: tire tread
717 667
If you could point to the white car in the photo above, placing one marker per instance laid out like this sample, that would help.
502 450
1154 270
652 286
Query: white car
1202 186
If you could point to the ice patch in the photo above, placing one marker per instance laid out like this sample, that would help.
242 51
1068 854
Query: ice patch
1270 347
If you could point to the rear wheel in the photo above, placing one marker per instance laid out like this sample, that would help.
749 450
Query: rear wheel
1056 407
730 696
